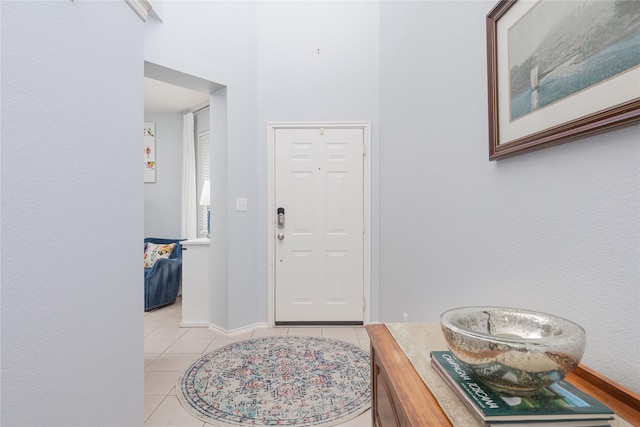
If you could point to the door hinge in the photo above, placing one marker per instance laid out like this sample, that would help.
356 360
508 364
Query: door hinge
364 304
364 149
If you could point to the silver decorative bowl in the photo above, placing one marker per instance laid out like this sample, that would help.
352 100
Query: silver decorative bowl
513 351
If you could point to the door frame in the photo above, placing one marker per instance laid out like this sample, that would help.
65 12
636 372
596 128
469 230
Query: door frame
271 207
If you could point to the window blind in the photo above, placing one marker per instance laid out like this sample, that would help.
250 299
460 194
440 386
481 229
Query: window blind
203 164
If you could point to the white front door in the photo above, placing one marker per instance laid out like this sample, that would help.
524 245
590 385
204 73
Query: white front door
319 239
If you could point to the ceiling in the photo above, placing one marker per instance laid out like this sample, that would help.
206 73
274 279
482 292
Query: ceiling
161 97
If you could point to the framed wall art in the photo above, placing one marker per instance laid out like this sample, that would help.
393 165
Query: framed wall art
560 70
149 138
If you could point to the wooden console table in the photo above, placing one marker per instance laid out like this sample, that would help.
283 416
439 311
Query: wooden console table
401 398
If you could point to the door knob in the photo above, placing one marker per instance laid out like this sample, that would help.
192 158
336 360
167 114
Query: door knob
280 236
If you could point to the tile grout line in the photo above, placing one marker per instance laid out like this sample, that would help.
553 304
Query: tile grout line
156 408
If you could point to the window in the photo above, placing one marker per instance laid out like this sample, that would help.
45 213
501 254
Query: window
203 156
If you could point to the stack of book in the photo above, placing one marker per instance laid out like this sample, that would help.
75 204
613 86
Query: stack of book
560 404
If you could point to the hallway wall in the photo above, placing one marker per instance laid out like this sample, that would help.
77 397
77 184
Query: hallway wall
72 214
163 198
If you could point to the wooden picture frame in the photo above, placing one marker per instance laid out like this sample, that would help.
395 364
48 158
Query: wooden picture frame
555 56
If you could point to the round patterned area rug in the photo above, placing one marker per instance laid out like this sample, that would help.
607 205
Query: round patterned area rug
278 381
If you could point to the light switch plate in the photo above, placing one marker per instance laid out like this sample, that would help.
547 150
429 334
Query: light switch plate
241 204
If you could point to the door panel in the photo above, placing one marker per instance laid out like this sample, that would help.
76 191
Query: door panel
320 258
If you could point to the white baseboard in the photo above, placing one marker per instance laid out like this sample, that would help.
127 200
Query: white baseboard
194 325
224 332
218 330
247 329
236 332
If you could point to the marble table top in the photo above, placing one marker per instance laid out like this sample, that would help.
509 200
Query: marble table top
417 340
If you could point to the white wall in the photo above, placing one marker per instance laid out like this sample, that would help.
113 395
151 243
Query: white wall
221 40
163 198
219 308
72 212
555 230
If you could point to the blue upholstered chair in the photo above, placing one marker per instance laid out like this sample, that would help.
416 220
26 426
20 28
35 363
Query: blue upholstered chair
162 280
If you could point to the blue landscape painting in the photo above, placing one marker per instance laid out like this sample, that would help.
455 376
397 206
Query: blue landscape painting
560 48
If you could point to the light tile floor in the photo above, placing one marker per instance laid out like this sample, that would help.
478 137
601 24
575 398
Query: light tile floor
170 349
